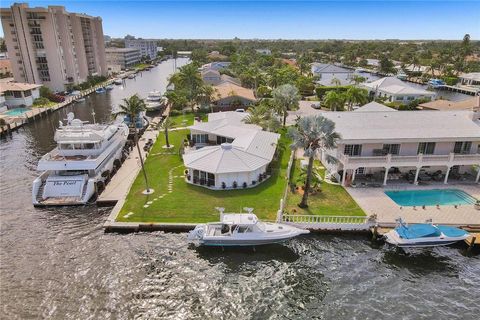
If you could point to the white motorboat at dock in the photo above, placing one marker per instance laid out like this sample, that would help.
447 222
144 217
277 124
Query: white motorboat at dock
242 229
424 235
82 162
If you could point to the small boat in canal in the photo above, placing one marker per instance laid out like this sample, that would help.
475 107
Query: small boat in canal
436 83
109 87
118 82
154 95
423 235
131 76
242 229
100 90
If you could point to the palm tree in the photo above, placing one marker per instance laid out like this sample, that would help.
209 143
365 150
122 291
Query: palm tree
316 177
335 82
263 116
285 98
355 95
334 100
188 80
311 134
166 125
132 107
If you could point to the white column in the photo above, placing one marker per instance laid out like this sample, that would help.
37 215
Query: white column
416 176
386 176
344 176
353 175
446 175
478 176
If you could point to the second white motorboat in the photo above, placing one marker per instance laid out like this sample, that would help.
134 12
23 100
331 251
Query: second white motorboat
154 95
242 229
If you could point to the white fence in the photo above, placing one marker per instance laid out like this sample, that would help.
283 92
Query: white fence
352 223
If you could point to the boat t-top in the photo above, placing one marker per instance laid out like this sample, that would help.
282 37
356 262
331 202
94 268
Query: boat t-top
242 229
154 95
83 161
424 235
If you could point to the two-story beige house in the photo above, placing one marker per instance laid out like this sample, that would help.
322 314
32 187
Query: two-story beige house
417 146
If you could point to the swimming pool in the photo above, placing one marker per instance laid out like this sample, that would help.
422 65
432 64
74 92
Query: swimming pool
16 111
409 198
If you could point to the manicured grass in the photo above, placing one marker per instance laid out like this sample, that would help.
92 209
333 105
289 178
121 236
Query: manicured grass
185 120
187 203
332 200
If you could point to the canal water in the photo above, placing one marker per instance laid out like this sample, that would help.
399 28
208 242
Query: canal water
58 263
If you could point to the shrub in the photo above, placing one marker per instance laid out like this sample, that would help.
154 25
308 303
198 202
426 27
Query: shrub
254 182
234 185
40 101
321 91
244 185
224 185
260 177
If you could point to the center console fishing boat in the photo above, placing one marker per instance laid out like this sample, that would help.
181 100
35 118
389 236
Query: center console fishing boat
242 229
83 160
424 235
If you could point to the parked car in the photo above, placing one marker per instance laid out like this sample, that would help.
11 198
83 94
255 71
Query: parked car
316 105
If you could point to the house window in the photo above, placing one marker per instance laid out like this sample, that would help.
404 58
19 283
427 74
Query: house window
353 150
426 147
27 93
391 148
360 171
221 140
463 147
200 138
210 179
399 98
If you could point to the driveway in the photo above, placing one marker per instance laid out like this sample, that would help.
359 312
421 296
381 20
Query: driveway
304 110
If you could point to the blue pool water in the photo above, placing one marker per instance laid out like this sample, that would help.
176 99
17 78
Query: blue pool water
409 198
16 111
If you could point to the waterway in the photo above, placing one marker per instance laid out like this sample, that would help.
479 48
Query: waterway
58 263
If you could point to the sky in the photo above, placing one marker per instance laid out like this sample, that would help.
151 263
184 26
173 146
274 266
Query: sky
381 19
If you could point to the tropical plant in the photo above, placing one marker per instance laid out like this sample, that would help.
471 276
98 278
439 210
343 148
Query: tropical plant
264 116
356 79
311 134
285 98
316 178
334 100
188 81
386 66
355 96
166 125
177 99
132 107
335 82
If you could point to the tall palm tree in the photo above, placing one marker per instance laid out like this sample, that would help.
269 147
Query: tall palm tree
311 134
188 80
166 125
334 100
354 96
285 98
132 107
263 116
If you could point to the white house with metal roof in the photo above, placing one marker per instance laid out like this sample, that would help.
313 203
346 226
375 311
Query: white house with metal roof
226 153
395 90
419 146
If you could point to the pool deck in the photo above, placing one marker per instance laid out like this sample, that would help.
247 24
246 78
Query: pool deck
375 201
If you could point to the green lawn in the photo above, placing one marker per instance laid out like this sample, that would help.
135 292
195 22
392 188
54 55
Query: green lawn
188 203
185 120
333 200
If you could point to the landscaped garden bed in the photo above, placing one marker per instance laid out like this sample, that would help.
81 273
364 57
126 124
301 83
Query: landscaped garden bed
328 199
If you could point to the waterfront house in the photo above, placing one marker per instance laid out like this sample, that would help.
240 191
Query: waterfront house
226 153
264 51
230 96
216 65
470 79
405 145
211 76
327 72
395 90
19 94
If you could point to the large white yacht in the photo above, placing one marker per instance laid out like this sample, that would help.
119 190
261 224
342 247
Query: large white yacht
82 162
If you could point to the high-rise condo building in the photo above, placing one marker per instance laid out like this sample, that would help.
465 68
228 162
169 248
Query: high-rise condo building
53 47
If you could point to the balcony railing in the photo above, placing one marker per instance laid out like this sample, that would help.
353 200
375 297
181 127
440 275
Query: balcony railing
419 160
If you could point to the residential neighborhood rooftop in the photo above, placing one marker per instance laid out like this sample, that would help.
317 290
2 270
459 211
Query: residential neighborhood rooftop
405 125
227 89
395 86
374 107
17 86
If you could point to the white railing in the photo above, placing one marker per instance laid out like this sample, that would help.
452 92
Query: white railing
312 222
420 159
313 219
